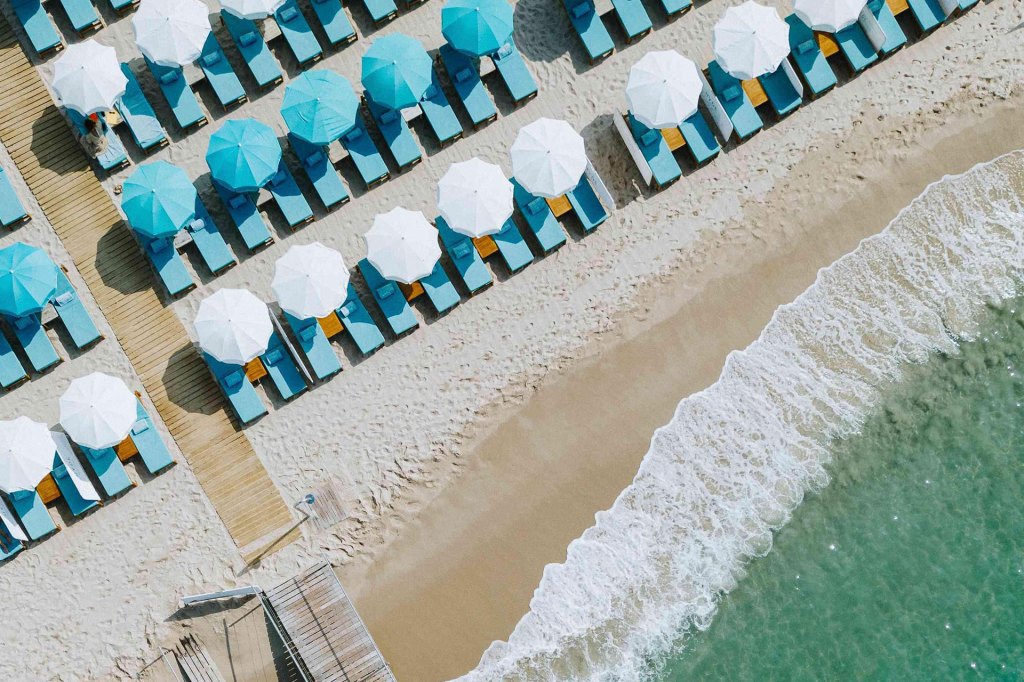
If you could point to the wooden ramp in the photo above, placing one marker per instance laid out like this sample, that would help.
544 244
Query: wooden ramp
325 630
122 283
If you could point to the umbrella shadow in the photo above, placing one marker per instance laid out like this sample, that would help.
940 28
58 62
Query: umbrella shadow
190 385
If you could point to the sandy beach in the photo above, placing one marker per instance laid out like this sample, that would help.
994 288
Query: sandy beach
472 452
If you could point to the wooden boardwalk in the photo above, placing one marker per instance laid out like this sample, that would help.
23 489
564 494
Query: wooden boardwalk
122 283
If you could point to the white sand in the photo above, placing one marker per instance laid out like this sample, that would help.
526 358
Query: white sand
92 602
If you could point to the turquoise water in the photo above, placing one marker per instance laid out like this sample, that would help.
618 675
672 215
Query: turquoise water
910 564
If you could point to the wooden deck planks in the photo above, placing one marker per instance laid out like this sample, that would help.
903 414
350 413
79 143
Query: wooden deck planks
57 172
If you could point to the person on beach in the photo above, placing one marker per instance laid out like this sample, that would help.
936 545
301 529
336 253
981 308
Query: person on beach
94 141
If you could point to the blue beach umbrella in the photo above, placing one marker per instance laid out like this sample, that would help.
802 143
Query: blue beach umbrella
28 280
243 155
319 107
158 199
396 71
477 27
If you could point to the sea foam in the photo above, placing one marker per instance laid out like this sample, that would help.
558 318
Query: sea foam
738 457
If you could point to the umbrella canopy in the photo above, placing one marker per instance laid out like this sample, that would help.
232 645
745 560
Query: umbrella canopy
751 40
402 245
26 454
475 198
310 280
830 16
548 157
251 9
28 280
233 326
171 32
477 27
663 89
98 411
88 78
396 71
243 155
158 199
319 107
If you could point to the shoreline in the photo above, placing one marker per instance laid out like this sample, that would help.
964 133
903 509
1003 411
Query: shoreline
472 585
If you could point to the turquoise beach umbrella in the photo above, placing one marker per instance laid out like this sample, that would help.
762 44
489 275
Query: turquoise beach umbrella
477 27
28 280
158 199
396 71
243 155
319 107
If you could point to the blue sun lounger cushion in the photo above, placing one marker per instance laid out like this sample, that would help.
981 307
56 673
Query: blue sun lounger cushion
513 248
9 545
12 372
334 21
811 63
439 290
297 33
179 95
539 218
381 11
138 114
321 173
895 38
208 240
364 154
783 97
38 25
32 513
82 15
464 256
589 209
72 497
464 76
358 323
282 370
655 151
927 13
315 346
286 193
122 6
439 113
590 28
673 8
514 73
257 56
238 389
633 18
738 107
108 469
700 139
153 452
397 136
12 211
856 47
169 265
72 313
389 299
219 74
29 332
246 217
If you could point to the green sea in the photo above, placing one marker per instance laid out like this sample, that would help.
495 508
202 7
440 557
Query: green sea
910 564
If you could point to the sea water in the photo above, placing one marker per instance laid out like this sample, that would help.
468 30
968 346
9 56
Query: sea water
642 592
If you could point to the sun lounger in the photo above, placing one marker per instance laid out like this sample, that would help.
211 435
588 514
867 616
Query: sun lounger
513 248
219 74
9 545
674 8
334 20
464 75
856 48
358 323
38 26
965 5
28 330
590 28
397 136
73 315
927 13
780 91
108 469
297 33
178 94
168 264
282 370
246 216
810 61
12 372
315 346
389 299
514 73
381 11
633 18
439 113
238 389
82 15
114 157
321 173
363 152
656 152
32 513
700 139
744 117
464 256
123 6
249 41
12 212
439 290
540 219
208 240
293 205
895 38
153 452
77 504
138 115
589 209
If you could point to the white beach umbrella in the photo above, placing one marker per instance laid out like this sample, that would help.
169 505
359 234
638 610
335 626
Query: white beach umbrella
252 9
88 78
475 198
171 32
98 410
26 454
829 15
663 89
402 245
548 157
310 280
233 326
751 40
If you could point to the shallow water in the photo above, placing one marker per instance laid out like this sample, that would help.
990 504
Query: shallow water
909 565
